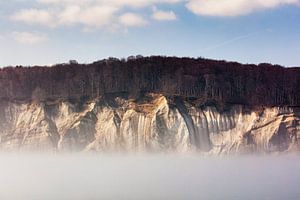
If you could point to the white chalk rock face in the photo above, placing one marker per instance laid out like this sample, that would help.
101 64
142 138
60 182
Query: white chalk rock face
153 125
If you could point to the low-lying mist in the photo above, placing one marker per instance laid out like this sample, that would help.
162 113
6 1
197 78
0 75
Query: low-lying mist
144 176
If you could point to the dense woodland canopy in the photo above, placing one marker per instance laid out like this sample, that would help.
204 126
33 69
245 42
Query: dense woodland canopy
201 80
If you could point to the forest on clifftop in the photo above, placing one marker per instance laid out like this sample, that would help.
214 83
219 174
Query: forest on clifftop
205 81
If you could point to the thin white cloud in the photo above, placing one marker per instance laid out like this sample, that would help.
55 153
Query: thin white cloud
91 14
30 38
69 15
94 16
132 19
118 3
160 15
233 7
34 16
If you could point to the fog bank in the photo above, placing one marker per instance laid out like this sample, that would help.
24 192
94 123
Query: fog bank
148 177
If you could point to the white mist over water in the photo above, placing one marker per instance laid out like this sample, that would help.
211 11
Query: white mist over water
150 177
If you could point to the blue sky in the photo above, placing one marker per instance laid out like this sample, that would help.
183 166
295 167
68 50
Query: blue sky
55 31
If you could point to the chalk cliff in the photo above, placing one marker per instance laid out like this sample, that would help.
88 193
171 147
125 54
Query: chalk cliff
151 104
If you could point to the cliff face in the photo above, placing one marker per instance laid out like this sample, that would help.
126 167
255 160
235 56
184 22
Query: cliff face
157 124
151 104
